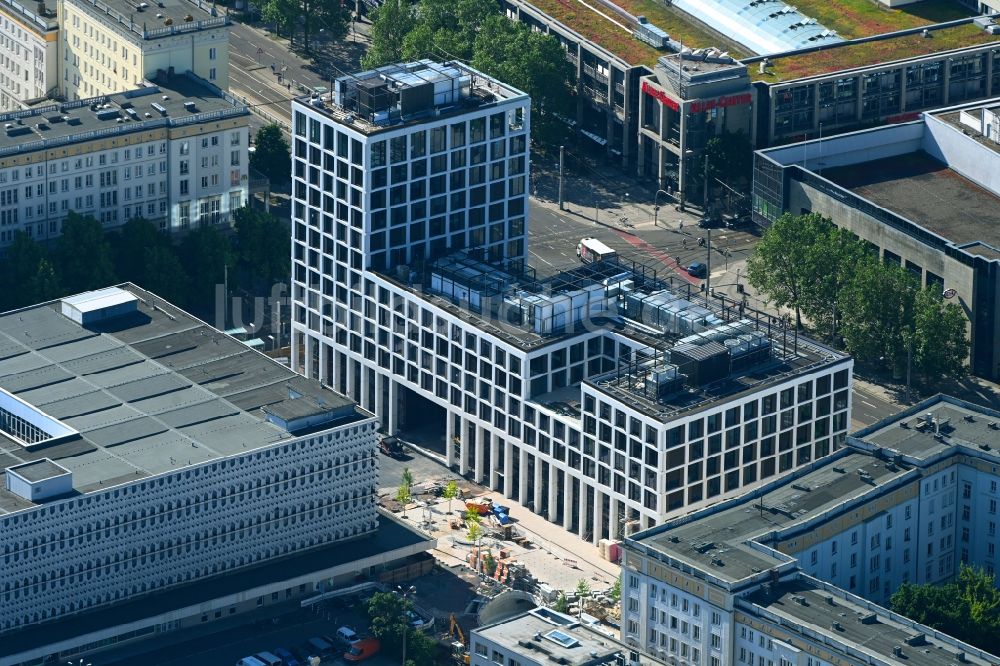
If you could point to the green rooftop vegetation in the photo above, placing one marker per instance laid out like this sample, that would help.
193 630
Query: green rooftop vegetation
600 28
604 27
679 25
864 18
866 54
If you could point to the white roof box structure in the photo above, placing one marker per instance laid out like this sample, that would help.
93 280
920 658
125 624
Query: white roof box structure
92 307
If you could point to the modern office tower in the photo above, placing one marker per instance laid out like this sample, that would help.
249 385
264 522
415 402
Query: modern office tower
108 47
173 151
800 571
151 462
606 398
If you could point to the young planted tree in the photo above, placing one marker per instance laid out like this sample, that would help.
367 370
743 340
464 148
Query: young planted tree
582 592
561 604
403 497
450 492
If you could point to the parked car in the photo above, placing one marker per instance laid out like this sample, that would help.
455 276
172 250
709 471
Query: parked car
362 650
698 270
347 636
286 656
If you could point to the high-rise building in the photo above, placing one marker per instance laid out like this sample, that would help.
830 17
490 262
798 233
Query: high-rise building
801 571
603 397
150 461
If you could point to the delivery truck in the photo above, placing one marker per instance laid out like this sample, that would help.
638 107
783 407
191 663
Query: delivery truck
590 250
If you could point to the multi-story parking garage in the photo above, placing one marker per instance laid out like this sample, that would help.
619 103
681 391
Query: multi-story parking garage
601 396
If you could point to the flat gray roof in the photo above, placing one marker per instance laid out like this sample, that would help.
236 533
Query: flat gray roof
547 636
149 393
58 124
181 15
39 470
952 424
716 540
804 607
927 192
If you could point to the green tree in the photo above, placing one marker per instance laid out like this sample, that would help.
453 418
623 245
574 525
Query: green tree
450 492
129 247
489 564
877 308
968 608
833 261
561 604
940 340
403 497
84 255
781 264
387 617
164 275
205 253
391 22
730 157
531 61
282 13
582 593
272 154
19 266
44 284
421 649
474 531
472 516
407 477
262 245
616 590
330 14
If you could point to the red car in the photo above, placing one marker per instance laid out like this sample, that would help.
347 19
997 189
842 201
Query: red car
361 650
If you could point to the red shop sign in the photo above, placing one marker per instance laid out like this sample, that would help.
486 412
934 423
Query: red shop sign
658 94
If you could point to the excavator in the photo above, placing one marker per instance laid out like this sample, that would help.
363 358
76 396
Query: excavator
459 648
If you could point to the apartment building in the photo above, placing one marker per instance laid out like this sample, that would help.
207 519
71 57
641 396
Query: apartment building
109 47
800 571
922 194
151 461
173 152
29 52
604 397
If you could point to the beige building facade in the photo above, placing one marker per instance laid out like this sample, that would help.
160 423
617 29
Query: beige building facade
108 48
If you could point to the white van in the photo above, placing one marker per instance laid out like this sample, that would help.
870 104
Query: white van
269 659
250 661
347 636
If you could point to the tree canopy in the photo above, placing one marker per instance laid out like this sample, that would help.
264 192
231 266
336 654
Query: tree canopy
967 608
272 155
331 15
389 622
878 309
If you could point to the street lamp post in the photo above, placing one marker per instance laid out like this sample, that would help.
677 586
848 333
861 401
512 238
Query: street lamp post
682 177
656 205
404 594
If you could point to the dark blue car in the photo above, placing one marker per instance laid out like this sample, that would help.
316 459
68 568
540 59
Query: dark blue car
698 270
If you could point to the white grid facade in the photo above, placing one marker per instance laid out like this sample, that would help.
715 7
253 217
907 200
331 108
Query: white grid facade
105 547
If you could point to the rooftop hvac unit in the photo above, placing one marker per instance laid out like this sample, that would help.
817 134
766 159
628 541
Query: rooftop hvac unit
703 364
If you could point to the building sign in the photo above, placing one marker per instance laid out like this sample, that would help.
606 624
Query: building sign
720 102
700 105
660 96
